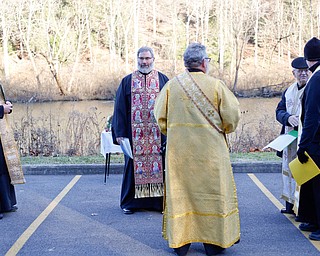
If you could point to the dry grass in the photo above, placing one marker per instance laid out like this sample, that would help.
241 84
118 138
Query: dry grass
99 80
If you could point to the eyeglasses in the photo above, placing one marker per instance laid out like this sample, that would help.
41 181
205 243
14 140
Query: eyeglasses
300 71
145 58
208 59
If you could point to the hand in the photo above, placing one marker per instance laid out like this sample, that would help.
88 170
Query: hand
301 156
293 121
7 107
163 149
119 139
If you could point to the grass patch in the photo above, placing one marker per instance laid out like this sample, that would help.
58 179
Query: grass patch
255 157
97 159
118 158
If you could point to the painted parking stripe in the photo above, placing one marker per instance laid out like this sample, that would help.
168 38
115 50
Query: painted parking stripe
37 222
277 203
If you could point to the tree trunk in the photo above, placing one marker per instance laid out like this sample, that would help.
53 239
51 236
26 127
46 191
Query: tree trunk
222 26
5 47
30 52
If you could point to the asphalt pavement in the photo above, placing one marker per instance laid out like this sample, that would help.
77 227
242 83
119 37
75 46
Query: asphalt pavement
80 215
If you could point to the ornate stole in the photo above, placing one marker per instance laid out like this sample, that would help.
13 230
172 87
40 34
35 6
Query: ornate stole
200 100
146 136
10 150
293 96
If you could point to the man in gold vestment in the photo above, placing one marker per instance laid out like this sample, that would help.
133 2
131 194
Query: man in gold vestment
195 111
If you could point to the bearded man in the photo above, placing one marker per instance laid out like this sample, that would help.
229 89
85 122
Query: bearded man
142 185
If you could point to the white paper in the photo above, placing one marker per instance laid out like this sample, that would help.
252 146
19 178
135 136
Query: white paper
106 144
126 147
281 142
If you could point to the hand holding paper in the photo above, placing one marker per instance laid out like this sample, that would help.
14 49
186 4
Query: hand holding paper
126 147
303 158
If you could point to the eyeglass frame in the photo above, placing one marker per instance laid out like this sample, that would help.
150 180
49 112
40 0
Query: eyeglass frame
302 70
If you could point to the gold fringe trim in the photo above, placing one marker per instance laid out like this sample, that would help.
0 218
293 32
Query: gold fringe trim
149 190
156 189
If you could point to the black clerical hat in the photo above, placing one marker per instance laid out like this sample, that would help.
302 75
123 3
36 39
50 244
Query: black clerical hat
299 63
312 49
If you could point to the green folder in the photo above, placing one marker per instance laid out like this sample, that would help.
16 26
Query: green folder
294 133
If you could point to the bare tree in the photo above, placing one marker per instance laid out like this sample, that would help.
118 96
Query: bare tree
243 24
32 7
80 24
69 33
5 38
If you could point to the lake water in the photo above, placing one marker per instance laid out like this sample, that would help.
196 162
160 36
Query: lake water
74 127
52 128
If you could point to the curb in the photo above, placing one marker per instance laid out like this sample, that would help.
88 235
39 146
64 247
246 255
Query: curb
87 169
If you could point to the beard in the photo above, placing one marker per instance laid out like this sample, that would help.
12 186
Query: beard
207 69
145 69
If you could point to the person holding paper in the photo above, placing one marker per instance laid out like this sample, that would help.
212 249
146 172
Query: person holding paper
133 121
287 113
196 111
309 203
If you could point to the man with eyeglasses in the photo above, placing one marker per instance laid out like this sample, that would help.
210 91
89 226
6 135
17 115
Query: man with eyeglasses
196 111
142 183
287 113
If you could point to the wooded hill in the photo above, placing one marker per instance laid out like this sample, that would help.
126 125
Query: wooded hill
80 49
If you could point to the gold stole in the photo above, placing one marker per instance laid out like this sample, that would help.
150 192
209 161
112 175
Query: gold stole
200 100
146 136
10 150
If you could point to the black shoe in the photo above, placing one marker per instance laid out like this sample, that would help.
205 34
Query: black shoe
1 216
212 249
284 210
127 211
315 235
288 209
308 227
298 219
182 251
14 208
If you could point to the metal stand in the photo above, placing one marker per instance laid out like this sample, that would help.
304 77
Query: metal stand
107 167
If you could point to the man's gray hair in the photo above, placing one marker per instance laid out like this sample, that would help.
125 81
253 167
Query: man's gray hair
194 55
145 49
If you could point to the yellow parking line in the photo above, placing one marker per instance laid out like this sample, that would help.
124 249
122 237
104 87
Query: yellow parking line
276 202
37 222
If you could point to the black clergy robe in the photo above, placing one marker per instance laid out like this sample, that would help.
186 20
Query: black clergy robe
121 127
7 193
309 203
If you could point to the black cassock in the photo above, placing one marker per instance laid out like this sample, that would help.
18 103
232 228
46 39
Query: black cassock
121 127
7 193
309 202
